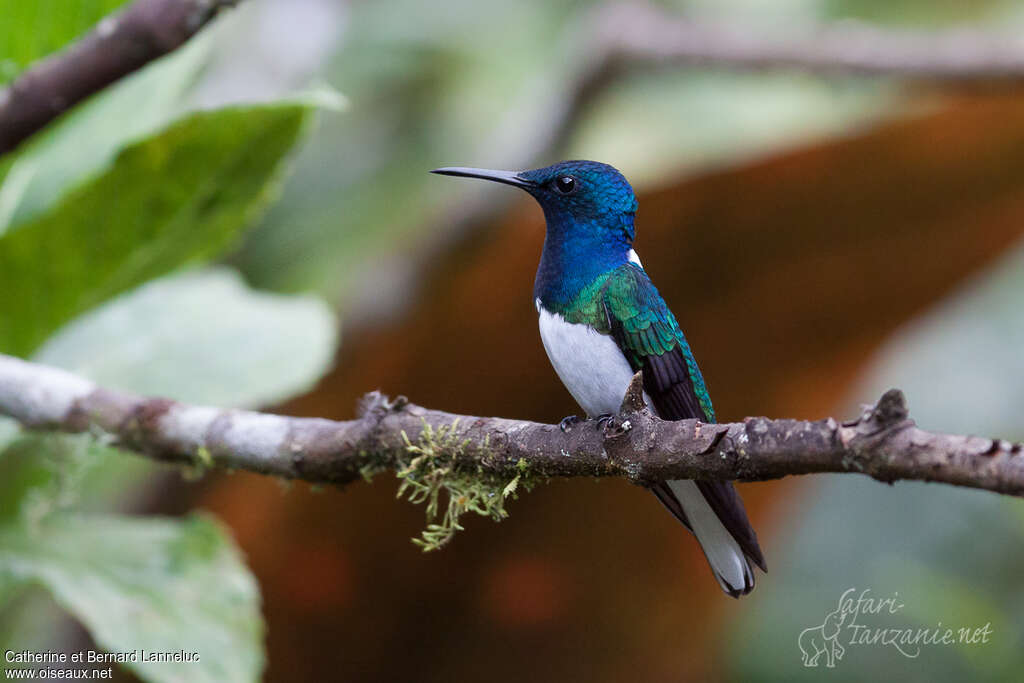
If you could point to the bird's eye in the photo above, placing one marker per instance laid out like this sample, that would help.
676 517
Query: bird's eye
565 184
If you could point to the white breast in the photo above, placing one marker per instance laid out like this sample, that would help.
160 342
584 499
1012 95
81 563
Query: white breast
596 373
589 363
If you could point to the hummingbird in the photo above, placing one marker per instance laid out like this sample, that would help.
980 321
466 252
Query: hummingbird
602 319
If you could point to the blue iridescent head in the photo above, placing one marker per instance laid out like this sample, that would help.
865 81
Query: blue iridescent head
584 200
589 208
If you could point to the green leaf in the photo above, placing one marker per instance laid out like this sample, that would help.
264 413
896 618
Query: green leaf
85 140
43 472
202 337
8 431
40 473
152 585
180 197
8 588
34 28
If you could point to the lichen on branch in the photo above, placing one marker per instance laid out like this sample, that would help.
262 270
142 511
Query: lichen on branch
432 468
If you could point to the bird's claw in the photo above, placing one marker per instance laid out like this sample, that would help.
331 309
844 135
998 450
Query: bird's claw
568 422
612 426
605 423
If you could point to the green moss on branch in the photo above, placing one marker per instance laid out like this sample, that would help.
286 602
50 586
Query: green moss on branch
430 475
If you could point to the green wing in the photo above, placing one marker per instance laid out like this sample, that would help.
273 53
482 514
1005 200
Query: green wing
650 338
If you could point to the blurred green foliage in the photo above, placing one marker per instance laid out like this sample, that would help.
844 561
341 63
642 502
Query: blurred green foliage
428 87
241 348
127 188
85 140
184 194
148 584
35 29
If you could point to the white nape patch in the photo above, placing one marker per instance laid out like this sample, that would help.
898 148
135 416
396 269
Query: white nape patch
536 302
37 393
724 554
633 258
188 424
589 363
254 435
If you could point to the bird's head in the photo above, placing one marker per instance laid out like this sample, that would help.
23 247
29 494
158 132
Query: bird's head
582 200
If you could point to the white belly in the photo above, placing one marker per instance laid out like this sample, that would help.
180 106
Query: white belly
597 375
589 363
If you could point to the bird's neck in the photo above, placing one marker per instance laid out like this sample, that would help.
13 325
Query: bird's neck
572 262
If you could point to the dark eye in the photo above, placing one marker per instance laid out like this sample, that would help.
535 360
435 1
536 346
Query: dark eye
565 184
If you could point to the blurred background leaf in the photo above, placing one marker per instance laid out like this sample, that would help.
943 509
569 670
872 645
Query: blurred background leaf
200 337
153 585
127 187
86 139
184 195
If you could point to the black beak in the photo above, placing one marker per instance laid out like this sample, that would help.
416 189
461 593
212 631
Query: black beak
506 177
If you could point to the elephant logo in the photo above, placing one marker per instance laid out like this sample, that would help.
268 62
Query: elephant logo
823 640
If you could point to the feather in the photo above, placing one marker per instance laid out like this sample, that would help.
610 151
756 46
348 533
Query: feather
650 339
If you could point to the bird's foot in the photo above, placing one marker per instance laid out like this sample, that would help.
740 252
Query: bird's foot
612 426
568 423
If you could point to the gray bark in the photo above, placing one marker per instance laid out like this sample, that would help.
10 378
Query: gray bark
118 46
882 442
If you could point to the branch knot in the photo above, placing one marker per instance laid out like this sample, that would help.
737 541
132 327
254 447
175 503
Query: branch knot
891 409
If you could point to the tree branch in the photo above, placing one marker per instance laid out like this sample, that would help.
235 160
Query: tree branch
119 45
882 442
638 31
622 36
617 35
